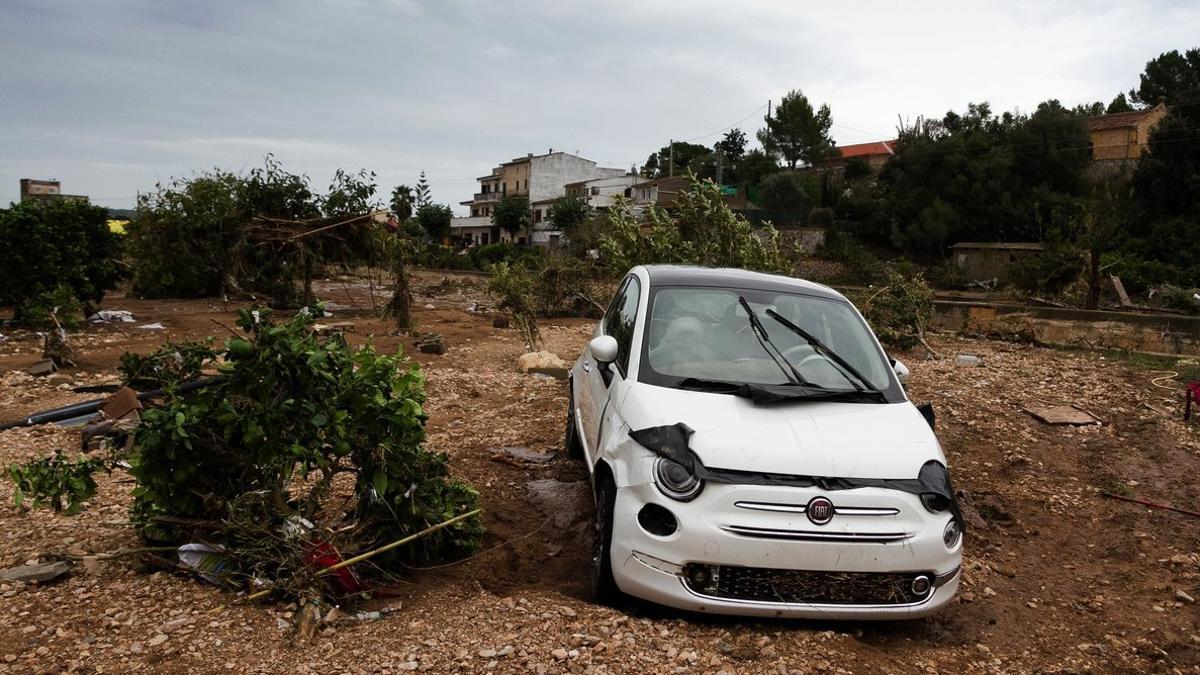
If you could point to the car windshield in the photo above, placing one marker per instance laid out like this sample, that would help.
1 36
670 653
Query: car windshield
705 334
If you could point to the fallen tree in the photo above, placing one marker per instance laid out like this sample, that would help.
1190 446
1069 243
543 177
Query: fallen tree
306 453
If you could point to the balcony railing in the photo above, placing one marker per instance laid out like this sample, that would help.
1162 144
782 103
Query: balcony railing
481 197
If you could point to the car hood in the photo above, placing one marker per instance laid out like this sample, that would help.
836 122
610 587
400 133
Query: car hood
806 438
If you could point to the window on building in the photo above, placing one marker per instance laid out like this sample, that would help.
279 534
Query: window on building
595 191
537 215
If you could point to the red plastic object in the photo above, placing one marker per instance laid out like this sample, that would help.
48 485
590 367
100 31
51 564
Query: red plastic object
323 555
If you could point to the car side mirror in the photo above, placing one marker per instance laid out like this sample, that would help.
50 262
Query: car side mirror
603 349
901 370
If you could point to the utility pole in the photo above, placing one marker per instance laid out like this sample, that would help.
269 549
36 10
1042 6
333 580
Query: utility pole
718 154
671 153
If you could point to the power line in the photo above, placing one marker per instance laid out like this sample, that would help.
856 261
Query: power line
721 131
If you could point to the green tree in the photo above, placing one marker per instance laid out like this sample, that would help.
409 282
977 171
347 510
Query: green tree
783 191
1170 77
422 191
55 244
732 145
756 166
350 194
512 215
1101 228
1119 104
569 213
435 219
684 155
797 131
402 202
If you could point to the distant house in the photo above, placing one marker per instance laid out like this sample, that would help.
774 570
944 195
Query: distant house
875 154
658 191
981 261
601 193
1122 136
540 178
44 190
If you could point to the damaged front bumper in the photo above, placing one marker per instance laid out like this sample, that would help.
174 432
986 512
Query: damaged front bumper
751 550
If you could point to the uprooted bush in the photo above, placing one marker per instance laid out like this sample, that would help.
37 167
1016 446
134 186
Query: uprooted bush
900 310
701 230
255 462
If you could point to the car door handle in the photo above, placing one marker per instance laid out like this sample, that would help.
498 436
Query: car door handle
587 367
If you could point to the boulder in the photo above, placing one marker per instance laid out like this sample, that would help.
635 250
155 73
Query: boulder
36 574
543 362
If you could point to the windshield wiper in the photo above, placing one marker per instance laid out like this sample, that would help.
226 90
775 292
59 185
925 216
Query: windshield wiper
863 383
760 332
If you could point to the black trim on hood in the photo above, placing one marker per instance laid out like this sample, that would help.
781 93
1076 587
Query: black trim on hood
671 442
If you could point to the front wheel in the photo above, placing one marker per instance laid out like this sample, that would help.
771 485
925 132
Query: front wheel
604 588
571 440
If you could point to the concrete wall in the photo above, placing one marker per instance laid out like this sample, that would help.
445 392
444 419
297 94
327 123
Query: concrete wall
551 172
983 264
1147 333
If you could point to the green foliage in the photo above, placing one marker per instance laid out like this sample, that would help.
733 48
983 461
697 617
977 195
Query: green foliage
732 145
820 217
402 202
570 213
861 266
900 311
483 257
797 131
422 194
57 482
298 404
168 365
435 219
983 177
566 285
512 215
58 305
857 168
1118 104
53 244
702 230
1047 273
512 286
784 191
1170 77
686 157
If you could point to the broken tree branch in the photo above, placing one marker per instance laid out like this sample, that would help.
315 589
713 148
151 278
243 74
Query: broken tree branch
399 542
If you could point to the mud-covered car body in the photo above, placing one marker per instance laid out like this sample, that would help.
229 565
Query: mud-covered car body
743 465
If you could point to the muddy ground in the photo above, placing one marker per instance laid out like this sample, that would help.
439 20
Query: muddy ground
1057 578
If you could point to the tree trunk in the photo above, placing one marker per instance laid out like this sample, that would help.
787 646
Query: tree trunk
1093 295
400 305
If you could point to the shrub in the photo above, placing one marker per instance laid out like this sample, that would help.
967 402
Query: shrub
512 285
1047 273
487 255
900 311
54 250
820 217
51 309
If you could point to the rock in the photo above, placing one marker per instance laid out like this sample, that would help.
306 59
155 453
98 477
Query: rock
559 654
42 368
156 640
431 343
546 363
36 574
1182 595
500 322
487 653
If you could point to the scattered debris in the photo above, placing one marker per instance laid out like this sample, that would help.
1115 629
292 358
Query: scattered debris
58 349
967 360
112 316
500 322
543 362
518 456
36 574
1063 414
1153 505
152 326
1184 596
431 343
42 368
207 561
336 327
1120 289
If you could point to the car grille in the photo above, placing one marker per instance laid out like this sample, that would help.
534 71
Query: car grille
801 586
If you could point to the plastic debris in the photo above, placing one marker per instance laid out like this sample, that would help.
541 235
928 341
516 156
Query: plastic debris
112 316
205 560
967 360
152 326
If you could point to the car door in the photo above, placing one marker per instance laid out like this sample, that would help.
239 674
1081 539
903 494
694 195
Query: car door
619 322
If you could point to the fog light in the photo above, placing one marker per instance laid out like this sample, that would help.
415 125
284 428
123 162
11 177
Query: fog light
657 520
703 577
951 534
921 585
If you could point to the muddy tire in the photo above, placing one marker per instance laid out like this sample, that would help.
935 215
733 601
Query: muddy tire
571 439
604 588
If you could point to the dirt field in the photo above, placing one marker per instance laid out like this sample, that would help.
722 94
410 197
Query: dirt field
1057 579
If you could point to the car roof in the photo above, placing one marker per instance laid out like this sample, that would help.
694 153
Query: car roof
729 277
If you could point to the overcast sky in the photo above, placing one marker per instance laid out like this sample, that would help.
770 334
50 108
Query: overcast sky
111 97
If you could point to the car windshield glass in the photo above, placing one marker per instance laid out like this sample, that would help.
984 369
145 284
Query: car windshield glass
706 334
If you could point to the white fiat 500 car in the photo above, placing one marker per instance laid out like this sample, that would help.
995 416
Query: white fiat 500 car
753 452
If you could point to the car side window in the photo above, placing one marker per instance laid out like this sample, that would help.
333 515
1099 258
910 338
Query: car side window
620 319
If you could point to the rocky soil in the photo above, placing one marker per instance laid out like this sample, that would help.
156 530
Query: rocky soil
1057 578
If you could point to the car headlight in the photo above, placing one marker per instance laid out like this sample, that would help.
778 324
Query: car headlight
934 473
951 534
675 481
